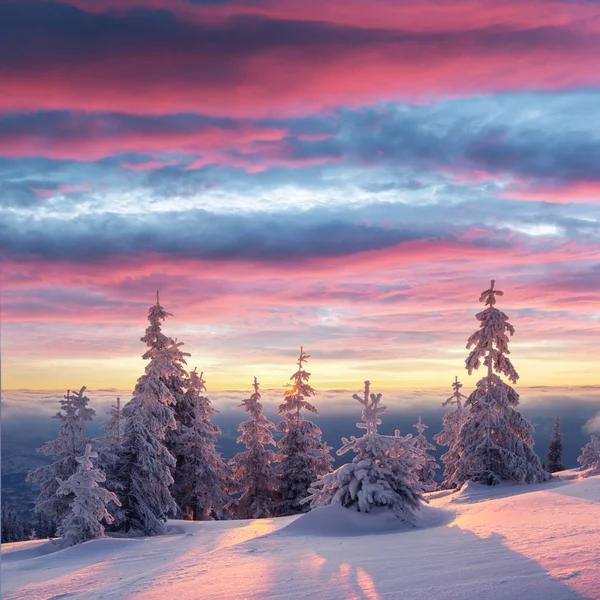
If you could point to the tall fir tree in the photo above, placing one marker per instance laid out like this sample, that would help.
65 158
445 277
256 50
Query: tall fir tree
425 472
590 457
87 511
555 450
108 456
302 455
144 465
73 414
253 469
496 442
383 472
451 425
202 478
177 382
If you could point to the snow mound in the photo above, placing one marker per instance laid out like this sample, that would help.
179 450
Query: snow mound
336 521
18 551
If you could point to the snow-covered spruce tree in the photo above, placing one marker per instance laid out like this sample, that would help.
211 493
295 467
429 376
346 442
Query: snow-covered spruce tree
64 450
108 456
555 449
88 509
202 479
451 424
496 442
253 469
177 438
590 456
113 426
302 455
381 474
425 472
144 464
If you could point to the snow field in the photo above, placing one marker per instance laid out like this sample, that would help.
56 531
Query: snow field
509 542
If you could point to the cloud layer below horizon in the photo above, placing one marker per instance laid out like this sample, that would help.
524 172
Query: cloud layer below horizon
345 176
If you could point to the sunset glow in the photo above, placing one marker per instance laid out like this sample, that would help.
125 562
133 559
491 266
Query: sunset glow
345 176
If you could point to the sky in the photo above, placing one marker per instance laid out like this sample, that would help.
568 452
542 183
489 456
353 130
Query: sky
344 175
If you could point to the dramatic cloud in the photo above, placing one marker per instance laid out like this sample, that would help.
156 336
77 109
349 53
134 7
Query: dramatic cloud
254 65
343 175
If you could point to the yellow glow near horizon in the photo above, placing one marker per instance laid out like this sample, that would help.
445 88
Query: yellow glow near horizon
119 373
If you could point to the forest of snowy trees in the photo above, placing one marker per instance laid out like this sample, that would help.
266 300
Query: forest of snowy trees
158 456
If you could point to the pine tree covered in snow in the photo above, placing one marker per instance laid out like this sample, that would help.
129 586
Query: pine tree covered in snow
144 466
202 479
13 529
381 474
253 469
451 424
555 449
425 472
113 426
302 455
88 509
64 450
108 455
590 456
495 442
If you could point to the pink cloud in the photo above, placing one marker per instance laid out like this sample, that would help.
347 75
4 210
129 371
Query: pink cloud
561 193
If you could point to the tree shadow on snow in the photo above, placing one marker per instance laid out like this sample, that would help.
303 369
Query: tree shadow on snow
439 562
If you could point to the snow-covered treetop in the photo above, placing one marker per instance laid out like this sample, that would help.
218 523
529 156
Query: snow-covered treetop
457 396
252 404
196 382
80 402
113 426
201 405
420 440
296 392
155 339
371 409
420 426
490 341
85 460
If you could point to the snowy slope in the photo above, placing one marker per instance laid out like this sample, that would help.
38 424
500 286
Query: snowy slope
539 542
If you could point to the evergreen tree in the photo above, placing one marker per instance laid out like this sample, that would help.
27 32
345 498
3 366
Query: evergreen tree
144 464
108 456
425 472
46 527
177 381
451 424
302 455
32 534
64 450
13 529
381 474
496 442
113 426
253 469
590 456
88 509
202 478
555 449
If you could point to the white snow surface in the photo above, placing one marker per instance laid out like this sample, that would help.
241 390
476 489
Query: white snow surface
511 542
